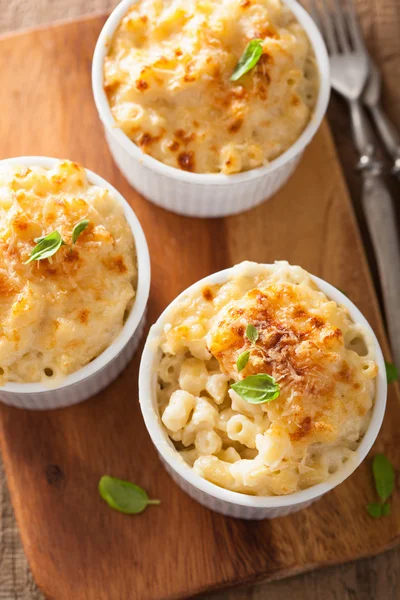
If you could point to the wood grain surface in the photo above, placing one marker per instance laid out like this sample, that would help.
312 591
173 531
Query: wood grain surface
76 546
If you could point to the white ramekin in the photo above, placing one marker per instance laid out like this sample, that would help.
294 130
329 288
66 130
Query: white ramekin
229 503
106 367
204 195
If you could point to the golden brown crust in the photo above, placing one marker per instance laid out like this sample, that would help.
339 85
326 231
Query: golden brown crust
116 264
84 316
300 350
207 294
7 288
186 161
142 85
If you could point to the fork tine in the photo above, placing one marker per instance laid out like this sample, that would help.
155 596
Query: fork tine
326 25
315 14
340 24
355 33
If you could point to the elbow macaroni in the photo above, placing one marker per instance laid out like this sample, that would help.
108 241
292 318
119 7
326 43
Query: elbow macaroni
176 414
317 422
240 429
208 442
193 376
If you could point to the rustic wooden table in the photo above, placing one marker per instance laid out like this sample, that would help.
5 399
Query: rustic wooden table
376 578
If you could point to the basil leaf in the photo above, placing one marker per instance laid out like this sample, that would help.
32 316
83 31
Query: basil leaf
256 389
392 373
78 229
374 510
377 510
124 496
46 247
251 333
242 360
383 475
248 60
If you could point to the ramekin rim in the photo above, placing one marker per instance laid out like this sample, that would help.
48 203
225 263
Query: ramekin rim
161 441
142 290
148 161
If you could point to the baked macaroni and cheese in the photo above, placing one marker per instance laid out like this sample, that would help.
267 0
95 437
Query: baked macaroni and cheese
265 385
67 271
209 86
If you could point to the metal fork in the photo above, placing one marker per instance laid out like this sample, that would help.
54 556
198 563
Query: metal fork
388 132
349 72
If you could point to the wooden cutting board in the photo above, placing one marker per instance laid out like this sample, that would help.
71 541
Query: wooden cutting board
77 547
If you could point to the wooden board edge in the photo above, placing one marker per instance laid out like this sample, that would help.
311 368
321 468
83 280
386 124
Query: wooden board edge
287 573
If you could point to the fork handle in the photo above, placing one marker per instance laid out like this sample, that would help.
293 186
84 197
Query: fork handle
389 134
362 132
381 220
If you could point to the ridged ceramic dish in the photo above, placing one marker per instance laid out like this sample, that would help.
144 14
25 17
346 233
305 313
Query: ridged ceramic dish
225 501
99 373
204 195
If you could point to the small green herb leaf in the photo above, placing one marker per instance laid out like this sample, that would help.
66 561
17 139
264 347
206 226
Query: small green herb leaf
124 496
251 333
46 247
257 388
392 372
383 475
375 510
248 60
242 360
78 229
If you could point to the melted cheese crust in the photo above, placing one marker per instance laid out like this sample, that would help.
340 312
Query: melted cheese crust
167 78
57 314
322 361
